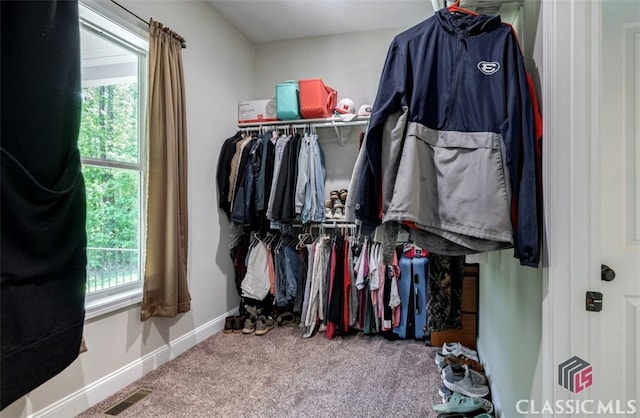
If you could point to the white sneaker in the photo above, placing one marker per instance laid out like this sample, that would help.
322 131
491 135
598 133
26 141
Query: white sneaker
457 349
467 386
327 213
440 360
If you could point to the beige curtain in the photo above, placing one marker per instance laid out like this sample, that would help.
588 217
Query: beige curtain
166 291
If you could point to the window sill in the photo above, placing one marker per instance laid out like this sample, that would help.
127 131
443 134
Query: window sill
101 306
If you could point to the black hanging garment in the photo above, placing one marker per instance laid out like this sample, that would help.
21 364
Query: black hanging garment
223 170
43 237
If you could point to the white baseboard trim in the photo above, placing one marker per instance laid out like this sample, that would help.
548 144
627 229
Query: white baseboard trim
101 389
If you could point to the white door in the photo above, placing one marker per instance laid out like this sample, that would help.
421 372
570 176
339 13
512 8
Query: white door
619 327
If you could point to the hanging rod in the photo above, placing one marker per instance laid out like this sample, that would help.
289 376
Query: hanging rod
336 224
334 123
146 22
319 123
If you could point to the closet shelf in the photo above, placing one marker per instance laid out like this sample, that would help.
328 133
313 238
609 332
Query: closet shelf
334 122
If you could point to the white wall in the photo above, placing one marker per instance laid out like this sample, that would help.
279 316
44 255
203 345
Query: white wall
219 68
350 63
510 311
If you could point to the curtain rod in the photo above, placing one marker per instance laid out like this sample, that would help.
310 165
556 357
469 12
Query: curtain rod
175 35
130 12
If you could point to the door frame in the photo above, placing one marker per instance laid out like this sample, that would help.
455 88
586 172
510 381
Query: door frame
571 171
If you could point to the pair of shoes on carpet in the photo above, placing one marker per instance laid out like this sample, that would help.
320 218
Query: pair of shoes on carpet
264 324
234 324
258 325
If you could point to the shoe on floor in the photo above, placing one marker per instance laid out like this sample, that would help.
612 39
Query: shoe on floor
459 414
453 372
456 349
228 325
472 414
459 403
264 324
238 323
444 393
250 324
461 361
285 318
467 386
442 359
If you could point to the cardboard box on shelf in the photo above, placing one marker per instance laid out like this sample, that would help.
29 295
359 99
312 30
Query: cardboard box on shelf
251 111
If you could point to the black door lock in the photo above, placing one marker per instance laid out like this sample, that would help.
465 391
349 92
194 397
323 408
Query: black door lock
594 301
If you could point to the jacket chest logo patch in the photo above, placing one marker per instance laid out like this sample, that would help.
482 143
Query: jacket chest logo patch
488 67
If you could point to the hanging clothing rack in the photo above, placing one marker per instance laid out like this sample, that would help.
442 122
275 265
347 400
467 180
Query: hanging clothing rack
348 225
175 35
312 124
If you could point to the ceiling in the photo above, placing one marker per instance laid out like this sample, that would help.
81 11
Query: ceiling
276 20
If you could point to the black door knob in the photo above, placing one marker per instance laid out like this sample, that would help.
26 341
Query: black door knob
606 273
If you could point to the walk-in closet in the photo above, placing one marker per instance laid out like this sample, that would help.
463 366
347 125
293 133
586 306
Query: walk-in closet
325 208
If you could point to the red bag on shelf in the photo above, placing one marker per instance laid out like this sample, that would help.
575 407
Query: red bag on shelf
316 99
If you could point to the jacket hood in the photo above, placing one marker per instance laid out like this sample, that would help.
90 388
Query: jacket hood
466 23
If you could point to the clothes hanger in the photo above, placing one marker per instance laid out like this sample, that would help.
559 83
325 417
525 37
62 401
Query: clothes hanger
455 7
302 238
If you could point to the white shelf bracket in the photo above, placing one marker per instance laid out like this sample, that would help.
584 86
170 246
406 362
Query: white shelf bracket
339 133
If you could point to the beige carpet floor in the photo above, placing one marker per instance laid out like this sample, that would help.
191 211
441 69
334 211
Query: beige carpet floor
281 374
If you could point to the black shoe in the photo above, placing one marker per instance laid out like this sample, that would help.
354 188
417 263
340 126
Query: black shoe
228 324
238 323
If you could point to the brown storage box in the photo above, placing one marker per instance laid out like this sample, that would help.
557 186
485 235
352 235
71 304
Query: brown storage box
465 336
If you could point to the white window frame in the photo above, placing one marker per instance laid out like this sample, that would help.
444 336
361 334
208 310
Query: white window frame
108 23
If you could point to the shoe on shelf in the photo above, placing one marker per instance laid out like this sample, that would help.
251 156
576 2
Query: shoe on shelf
457 349
238 323
328 213
250 324
228 325
338 213
453 372
343 195
264 324
466 386
459 403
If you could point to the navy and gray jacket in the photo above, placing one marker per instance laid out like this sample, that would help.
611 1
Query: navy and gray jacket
450 145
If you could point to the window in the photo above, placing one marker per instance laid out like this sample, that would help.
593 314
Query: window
111 143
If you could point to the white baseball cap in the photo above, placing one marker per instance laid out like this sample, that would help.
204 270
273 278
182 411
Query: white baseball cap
365 110
346 106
